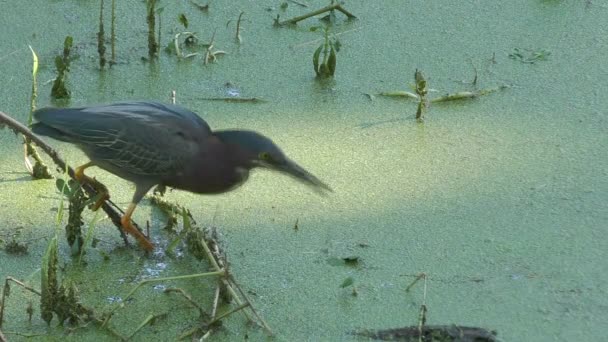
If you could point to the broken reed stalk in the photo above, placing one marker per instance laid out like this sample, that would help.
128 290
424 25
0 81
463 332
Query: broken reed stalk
113 33
238 28
101 45
108 206
39 170
218 264
332 7
231 283
187 276
423 310
188 298
149 320
151 19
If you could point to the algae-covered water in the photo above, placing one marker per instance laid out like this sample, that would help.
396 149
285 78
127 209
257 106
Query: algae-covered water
502 200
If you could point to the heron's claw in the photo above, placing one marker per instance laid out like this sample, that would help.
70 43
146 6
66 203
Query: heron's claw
128 227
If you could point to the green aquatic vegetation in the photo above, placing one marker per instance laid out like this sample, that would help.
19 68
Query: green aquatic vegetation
77 200
324 58
183 20
420 93
347 282
39 170
62 64
101 47
153 44
528 56
48 281
57 300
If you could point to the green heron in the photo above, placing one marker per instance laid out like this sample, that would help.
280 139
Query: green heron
150 143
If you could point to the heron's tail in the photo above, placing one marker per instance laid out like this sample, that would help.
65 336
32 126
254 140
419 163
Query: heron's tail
40 128
46 117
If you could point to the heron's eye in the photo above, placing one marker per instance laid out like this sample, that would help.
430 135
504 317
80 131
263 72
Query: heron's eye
265 156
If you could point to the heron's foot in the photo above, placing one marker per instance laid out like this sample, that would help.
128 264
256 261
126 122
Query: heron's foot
128 227
102 192
101 189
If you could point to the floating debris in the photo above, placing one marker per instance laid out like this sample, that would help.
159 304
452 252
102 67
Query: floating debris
528 56
453 333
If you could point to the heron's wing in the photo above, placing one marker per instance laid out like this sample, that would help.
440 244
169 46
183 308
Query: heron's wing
141 138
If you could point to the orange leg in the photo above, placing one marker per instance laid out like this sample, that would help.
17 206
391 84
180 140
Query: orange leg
130 229
101 189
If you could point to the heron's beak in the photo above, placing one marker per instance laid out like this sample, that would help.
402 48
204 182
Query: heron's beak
296 171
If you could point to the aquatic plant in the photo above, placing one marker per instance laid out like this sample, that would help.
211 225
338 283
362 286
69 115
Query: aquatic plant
528 56
39 170
101 47
72 190
420 93
151 20
325 66
239 27
62 64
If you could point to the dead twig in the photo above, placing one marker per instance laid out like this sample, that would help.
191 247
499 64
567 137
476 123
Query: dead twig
234 99
6 291
328 8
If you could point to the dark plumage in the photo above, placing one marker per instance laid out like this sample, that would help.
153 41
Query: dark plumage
150 143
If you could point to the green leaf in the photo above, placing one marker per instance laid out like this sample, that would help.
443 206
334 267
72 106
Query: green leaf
183 20
63 187
347 282
67 43
331 61
315 59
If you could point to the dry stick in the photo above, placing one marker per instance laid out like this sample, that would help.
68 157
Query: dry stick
2 337
319 11
234 99
423 310
187 276
299 3
216 301
188 298
229 282
238 27
230 312
6 290
108 206
146 321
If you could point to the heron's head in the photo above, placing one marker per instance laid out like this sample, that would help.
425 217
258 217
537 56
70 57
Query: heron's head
260 151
